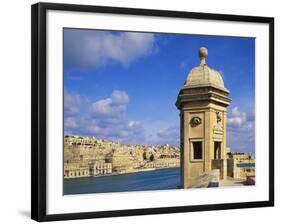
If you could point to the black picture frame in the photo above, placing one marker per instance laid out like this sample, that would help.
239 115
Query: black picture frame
39 114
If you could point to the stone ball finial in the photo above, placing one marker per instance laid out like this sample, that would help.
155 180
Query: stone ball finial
203 53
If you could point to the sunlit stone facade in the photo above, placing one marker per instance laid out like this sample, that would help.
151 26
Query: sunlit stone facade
91 157
202 102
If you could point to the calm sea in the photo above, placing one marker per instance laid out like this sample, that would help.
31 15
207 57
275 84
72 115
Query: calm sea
161 179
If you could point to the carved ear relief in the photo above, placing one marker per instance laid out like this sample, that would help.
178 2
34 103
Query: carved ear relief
195 121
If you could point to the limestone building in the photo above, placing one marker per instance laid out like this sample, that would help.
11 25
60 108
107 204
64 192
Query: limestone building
90 157
240 165
202 102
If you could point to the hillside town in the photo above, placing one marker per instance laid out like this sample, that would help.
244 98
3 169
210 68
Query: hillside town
89 156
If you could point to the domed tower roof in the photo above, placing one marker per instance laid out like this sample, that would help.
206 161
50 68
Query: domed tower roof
203 75
203 85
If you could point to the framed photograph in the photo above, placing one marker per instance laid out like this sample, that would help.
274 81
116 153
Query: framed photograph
139 111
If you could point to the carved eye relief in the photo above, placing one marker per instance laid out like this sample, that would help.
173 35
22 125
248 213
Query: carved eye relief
195 121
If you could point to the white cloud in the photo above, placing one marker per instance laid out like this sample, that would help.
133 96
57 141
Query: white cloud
133 124
237 118
169 135
71 103
119 97
89 48
106 118
111 107
241 131
70 123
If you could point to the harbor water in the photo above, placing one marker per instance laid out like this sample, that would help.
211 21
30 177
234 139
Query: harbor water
161 179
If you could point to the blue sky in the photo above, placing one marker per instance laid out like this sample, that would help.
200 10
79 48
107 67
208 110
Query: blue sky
123 85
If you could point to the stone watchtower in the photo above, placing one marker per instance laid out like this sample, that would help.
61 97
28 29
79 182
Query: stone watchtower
202 102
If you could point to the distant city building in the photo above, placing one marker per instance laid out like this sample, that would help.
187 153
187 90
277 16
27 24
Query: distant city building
90 157
240 165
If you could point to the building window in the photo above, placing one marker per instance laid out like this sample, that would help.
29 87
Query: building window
197 150
217 150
